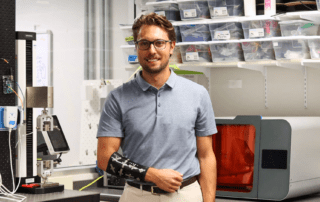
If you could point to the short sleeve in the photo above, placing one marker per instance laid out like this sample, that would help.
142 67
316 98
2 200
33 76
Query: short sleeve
110 121
205 123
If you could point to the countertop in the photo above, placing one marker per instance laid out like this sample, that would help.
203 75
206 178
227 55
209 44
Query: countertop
114 195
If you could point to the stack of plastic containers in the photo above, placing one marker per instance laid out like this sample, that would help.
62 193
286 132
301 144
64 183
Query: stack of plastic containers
225 31
258 33
288 49
263 28
193 9
314 46
226 51
197 31
223 8
226 46
170 9
259 49
294 44
298 28
195 53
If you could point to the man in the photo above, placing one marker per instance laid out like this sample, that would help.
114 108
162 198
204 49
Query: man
163 123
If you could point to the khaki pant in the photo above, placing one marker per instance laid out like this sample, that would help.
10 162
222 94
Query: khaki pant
190 193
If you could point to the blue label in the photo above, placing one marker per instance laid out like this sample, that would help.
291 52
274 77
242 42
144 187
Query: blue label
132 58
1 117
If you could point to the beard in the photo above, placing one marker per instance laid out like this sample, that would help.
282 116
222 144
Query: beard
155 71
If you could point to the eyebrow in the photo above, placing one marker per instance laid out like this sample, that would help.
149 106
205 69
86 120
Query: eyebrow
153 40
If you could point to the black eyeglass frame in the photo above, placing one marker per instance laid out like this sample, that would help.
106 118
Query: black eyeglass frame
152 42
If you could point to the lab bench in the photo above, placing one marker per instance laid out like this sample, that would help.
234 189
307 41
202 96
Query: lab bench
114 195
64 196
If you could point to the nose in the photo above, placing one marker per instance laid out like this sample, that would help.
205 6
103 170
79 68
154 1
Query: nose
152 49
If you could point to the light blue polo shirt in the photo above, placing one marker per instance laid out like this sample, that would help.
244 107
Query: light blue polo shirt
159 127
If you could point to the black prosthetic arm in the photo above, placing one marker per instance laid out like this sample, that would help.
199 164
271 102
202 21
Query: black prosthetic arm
124 168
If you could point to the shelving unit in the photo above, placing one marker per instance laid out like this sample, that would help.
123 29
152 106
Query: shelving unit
261 66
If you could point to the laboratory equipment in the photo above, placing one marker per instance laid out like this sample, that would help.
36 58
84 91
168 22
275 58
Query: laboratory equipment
267 158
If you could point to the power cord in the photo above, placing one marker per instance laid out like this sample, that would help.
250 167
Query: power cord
91 183
3 190
58 160
306 6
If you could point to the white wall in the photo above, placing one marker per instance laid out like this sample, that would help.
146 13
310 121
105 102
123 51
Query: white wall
65 18
122 13
285 94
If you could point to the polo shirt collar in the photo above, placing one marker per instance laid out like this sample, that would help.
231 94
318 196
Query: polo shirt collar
145 85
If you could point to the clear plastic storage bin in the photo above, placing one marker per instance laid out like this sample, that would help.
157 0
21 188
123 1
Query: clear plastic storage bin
258 49
230 51
314 46
176 56
127 34
195 32
223 8
165 8
288 49
298 28
191 10
226 31
260 29
178 34
130 54
195 53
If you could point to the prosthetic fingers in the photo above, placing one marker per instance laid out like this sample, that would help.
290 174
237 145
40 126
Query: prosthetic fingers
124 168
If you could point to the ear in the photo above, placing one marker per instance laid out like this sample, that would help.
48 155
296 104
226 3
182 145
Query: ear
172 46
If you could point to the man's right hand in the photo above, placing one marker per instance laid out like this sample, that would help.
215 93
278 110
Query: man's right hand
166 179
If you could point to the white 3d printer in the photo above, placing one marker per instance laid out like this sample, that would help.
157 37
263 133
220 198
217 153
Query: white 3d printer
269 158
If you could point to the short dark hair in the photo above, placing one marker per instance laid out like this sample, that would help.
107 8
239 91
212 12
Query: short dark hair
153 19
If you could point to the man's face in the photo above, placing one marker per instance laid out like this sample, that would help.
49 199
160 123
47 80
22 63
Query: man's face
154 60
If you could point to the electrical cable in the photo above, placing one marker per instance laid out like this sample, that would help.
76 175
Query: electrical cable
24 99
20 138
6 61
13 185
91 183
58 159
6 192
134 73
306 6
20 148
17 95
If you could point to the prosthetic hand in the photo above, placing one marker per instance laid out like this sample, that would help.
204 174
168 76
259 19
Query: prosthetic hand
124 168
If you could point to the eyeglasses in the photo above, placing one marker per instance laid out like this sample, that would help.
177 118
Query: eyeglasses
158 44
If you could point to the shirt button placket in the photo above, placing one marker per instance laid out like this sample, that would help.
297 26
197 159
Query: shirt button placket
159 104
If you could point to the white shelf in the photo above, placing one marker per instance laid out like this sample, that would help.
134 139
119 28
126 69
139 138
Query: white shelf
224 20
160 3
132 67
311 63
290 64
127 46
247 40
307 15
252 65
